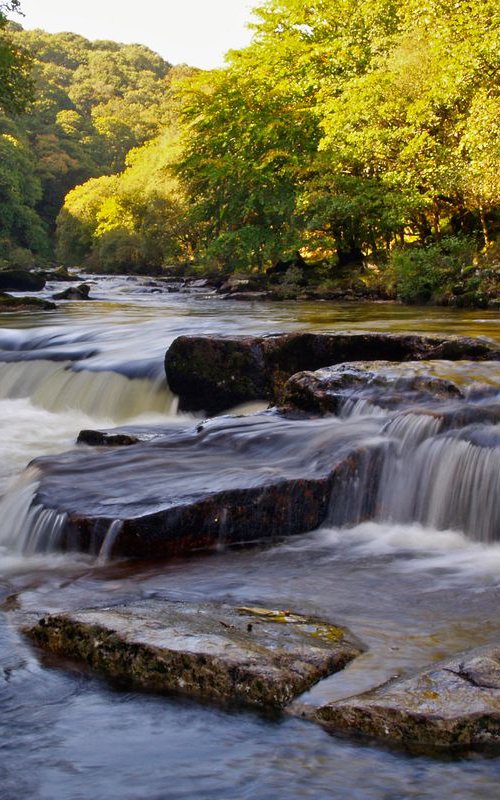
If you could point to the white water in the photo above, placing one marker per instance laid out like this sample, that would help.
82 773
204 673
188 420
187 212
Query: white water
102 395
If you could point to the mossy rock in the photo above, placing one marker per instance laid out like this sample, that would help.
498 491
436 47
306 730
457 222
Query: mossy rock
251 656
10 303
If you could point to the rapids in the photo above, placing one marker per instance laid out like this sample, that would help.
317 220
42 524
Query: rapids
409 559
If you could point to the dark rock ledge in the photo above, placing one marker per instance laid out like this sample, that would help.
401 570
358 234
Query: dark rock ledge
452 704
253 656
226 481
212 373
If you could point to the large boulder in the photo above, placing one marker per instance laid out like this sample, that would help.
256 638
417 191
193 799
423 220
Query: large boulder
74 293
20 280
227 481
452 704
212 373
255 656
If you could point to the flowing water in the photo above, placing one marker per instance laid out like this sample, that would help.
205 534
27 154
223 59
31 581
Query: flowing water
409 560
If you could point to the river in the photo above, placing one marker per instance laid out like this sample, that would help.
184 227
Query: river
411 593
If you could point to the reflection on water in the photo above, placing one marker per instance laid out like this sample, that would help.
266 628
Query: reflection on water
411 593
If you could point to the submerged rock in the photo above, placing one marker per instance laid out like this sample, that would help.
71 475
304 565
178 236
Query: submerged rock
454 703
326 390
254 656
214 373
10 303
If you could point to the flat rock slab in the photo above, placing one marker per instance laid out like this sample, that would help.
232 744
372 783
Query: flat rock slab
226 481
213 373
255 656
452 704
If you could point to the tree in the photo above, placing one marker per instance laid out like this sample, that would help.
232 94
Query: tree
15 63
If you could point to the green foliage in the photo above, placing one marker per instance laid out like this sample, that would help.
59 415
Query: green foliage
129 222
94 101
20 190
15 64
430 272
344 129
353 131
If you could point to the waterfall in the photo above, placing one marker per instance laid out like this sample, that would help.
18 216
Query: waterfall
114 531
101 394
446 482
26 526
405 467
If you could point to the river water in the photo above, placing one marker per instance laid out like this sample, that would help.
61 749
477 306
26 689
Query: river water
412 590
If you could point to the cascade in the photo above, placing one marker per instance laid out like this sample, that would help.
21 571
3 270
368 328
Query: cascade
101 394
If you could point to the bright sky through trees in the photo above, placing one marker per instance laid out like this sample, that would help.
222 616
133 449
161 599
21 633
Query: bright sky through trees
196 32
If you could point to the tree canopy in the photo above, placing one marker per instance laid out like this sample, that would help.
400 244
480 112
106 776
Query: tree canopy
350 131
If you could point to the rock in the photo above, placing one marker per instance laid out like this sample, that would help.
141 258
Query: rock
106 439
123 437
226 481
74 293
61 274
211 651
326 390
10 303
248 296
452 704
20 280
214 373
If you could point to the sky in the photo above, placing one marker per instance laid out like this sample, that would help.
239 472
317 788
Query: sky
195 32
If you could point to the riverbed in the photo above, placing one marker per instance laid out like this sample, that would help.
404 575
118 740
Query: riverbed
411 593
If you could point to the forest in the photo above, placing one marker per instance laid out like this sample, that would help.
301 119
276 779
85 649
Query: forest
356 141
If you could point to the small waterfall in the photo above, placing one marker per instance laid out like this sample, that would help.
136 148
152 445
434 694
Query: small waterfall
26 527
360 407
446 482
101 394
112 535
356 487
416 473
15 510
412 428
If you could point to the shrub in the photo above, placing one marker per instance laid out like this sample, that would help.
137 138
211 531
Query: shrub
430 272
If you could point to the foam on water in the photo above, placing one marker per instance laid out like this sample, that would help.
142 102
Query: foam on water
449 554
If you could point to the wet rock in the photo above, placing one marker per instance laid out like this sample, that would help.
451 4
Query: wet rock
214 373
20 280
106 439
227 481
258 657
326 390
10 303
452 704
123 437
74 293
